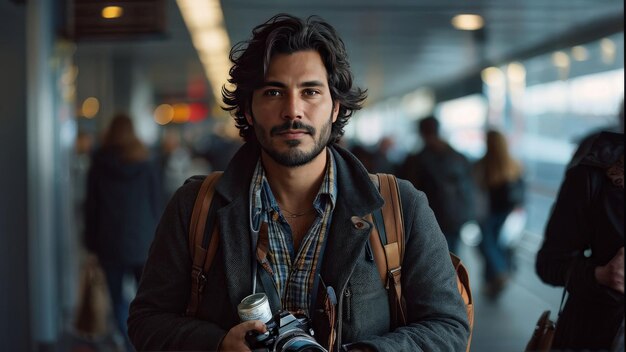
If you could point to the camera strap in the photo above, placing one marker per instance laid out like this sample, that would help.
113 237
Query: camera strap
327 299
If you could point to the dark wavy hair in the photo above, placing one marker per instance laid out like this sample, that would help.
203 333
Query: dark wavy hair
286 34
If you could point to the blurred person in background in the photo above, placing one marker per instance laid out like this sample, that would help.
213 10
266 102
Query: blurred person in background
381 161
365 156
121 208
501 184
178 163
175 162
216 147
583 247
445 176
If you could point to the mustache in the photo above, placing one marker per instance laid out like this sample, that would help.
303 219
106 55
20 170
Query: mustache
292 125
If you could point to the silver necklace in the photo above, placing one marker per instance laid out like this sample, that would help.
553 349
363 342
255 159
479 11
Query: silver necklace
295 215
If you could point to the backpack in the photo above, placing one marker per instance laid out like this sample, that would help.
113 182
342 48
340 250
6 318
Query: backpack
386 239
508 195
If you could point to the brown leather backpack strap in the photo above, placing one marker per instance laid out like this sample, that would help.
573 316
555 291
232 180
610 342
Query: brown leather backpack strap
392 213
463 284
392 249
201 258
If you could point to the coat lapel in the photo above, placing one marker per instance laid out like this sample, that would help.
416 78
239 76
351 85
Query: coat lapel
357 196
346 242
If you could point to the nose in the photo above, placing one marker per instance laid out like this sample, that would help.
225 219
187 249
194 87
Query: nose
292 108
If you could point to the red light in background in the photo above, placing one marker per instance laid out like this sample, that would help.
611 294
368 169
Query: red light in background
197 112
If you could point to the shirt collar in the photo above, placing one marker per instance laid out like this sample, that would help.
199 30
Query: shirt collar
262 200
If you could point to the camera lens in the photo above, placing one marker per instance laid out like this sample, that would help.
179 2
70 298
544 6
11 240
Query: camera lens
298 342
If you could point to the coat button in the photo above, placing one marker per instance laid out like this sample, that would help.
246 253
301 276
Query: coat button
358 223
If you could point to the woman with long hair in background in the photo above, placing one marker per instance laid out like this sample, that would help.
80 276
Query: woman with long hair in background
499 178
121 209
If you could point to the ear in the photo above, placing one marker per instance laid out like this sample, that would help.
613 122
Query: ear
249 118
335 110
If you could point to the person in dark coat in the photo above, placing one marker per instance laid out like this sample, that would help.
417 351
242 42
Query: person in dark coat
445 175
291 189
583 249
121 208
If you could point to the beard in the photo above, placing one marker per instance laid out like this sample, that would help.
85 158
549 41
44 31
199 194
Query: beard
294 157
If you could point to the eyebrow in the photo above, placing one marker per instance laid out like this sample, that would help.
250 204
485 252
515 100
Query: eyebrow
306 84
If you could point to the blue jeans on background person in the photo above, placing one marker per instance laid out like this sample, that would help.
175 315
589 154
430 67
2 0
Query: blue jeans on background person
496 257
115 281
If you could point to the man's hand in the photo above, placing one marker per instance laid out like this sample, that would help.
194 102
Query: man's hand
235 339
612 274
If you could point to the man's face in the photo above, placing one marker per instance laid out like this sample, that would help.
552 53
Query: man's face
292 113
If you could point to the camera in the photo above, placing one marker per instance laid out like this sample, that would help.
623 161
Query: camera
285 333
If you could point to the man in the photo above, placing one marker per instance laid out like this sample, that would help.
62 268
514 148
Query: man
293 95
445 176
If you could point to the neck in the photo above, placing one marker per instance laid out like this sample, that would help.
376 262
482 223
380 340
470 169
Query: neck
295 188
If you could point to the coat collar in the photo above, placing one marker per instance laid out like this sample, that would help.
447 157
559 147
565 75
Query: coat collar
352 179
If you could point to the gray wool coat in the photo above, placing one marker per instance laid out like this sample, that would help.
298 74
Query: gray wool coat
436 313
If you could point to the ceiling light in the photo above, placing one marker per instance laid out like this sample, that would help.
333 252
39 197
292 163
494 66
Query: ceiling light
205 22
580 53
560 59
516 72
112 12
607 49
468 22
198 14
607 45
492 76
211 41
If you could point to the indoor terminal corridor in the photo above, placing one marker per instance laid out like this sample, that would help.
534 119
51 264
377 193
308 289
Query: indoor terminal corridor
543 74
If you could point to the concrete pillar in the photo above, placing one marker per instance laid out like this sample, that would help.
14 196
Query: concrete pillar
41 171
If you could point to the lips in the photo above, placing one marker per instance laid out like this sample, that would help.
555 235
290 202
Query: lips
293 133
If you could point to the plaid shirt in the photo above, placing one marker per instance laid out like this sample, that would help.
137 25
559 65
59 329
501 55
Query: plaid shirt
293 273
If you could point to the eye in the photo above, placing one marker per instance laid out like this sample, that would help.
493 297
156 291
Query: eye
272 93
311 92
